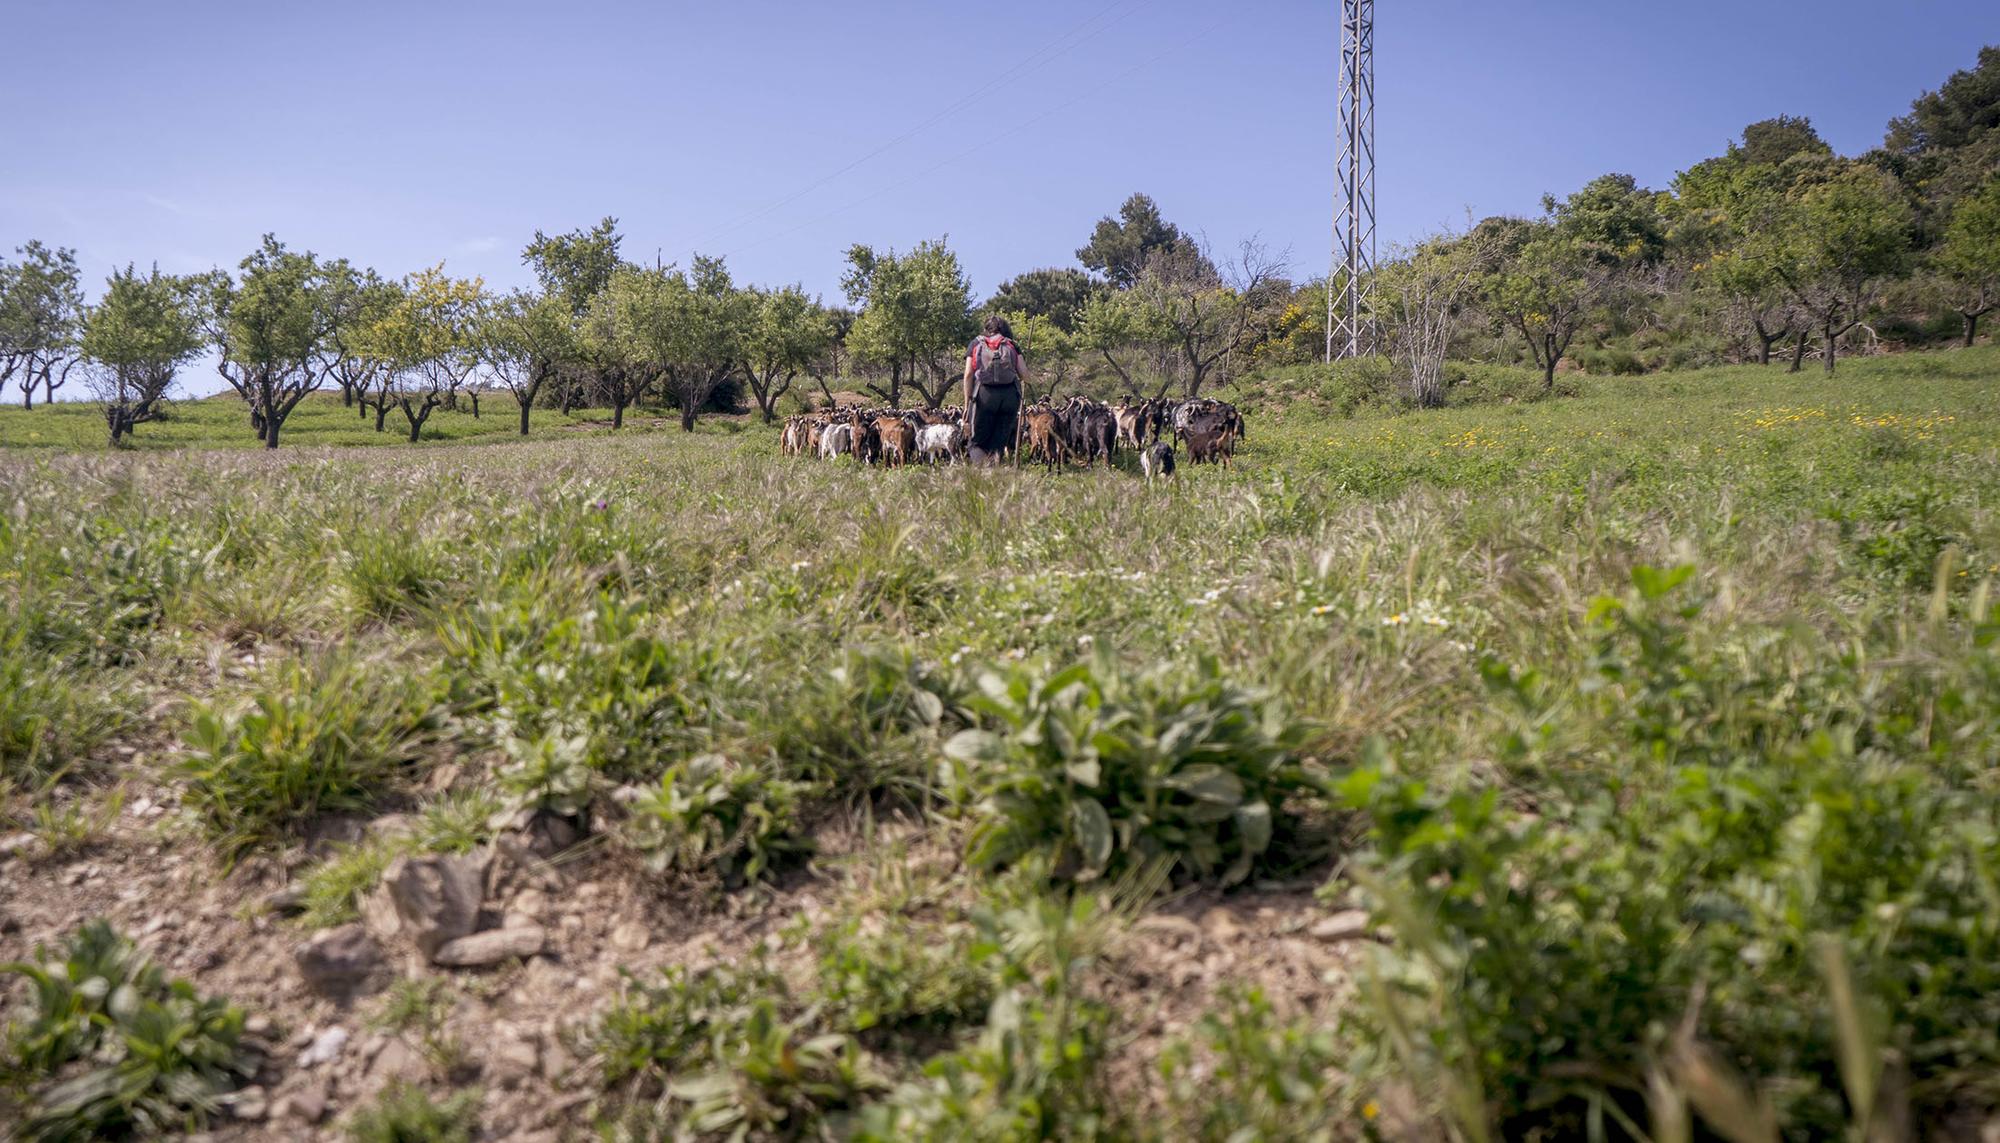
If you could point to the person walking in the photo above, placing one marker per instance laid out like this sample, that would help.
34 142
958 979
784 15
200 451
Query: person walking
994 374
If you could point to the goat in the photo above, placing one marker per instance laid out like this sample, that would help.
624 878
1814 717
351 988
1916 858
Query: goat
1157 460
836 440
1038 436
896 439
940 441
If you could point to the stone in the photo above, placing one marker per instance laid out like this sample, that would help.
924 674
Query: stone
392 826
342 963
249 1103
325 1047
1169 925
397 1062
437 897
1220 924
515 1056
545 833
287 902
631 936
308 1103
1347 925
378 916
491 947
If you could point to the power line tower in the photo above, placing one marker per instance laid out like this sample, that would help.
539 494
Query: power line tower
1350 320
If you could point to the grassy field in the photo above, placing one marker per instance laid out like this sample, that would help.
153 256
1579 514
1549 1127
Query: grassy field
321 420
1608 764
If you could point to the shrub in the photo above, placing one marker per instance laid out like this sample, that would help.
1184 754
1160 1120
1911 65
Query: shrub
1104 771
1900 532
111 1046
326 736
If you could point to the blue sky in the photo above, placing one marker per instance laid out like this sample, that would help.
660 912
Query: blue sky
777 133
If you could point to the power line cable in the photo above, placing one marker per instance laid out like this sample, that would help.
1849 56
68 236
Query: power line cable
1008 134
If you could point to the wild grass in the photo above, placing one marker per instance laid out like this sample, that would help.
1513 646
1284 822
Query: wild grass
1594 793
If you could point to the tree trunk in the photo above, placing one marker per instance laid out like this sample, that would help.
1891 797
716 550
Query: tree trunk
618 414
525 406
382 415
1971 327
1832 339
475 404
1799 354
1765 341
28 394
687 417
271 432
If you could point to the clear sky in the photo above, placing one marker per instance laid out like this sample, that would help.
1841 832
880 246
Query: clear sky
779 132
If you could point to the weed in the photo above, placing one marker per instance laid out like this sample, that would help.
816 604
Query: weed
110 1045
1110 770
330 735
404 1113
709 813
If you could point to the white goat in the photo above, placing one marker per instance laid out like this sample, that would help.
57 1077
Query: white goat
940 442
836 440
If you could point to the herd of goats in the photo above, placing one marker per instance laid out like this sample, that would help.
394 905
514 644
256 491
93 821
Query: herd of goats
1079 429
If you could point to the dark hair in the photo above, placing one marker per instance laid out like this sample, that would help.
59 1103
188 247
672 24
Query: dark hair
998 324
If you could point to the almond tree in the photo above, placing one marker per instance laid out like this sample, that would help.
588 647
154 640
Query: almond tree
1421 296
683 329
1210 312
270 329
355 301
41 312
526 340
136 339
1969 258
1547 292
916 317
425 342
786 333
1832 246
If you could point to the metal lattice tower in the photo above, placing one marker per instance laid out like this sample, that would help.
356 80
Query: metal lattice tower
1350 320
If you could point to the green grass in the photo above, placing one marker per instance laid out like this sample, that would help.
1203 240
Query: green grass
1593 792
320 420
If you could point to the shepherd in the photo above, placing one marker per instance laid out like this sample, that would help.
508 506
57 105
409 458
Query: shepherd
994 374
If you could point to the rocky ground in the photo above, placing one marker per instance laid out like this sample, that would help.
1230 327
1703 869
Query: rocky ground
530 938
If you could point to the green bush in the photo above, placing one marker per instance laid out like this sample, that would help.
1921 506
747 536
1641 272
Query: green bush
1103 771
318 737
110 1046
